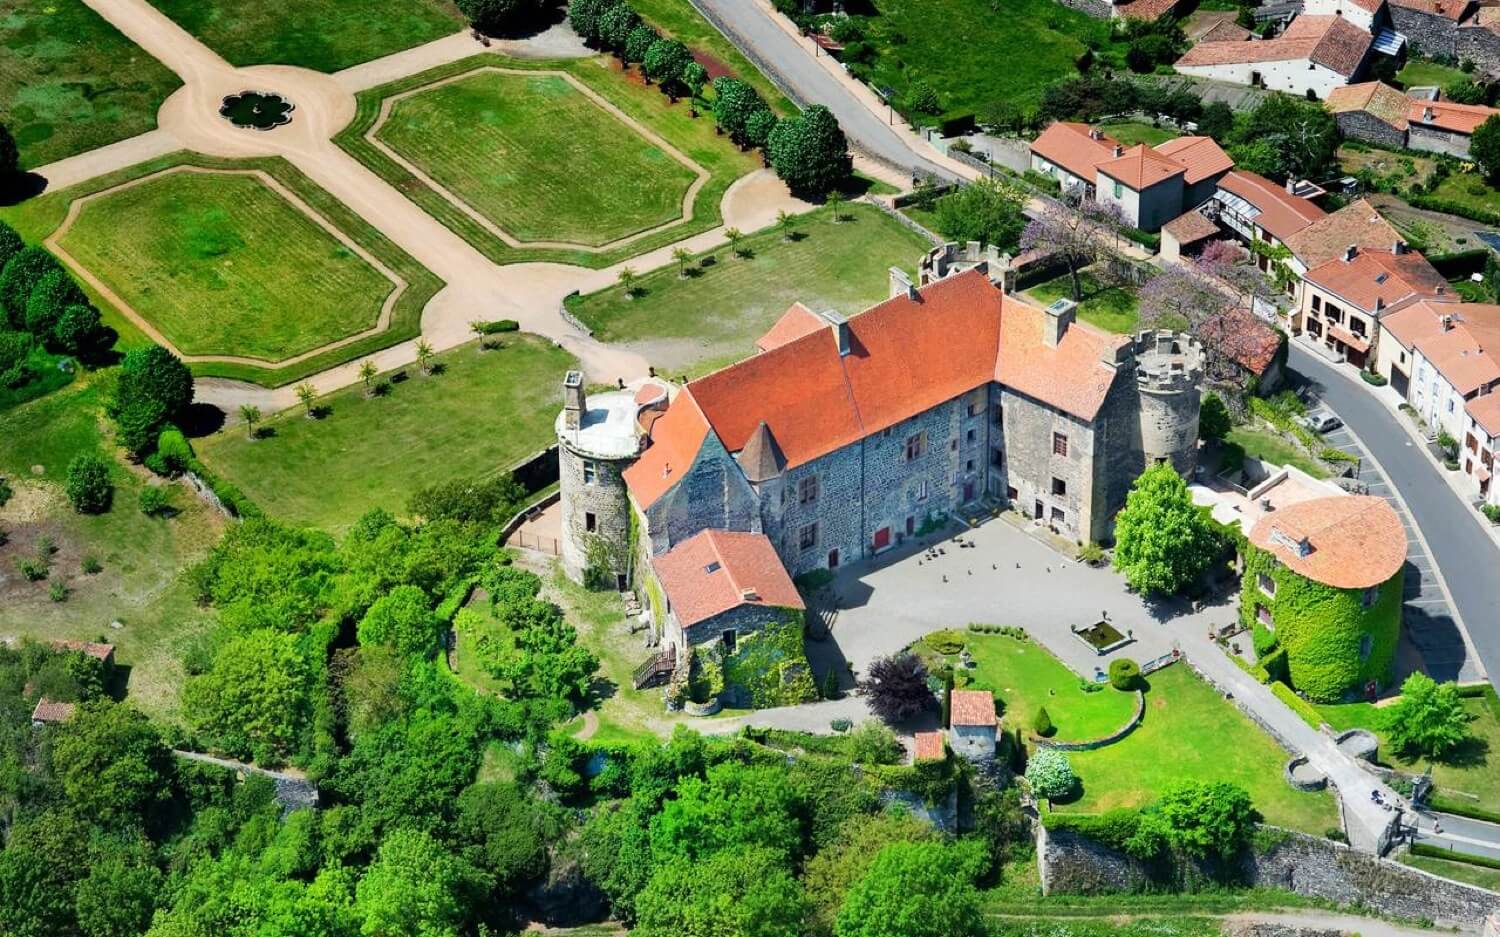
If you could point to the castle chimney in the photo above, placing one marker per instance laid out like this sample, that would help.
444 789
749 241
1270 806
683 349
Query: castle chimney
1059 316
1446 322
1426 115
575 401
1350 252
1379 304
901 284
1291 185
840 327
1094 134
1119 150
1398 248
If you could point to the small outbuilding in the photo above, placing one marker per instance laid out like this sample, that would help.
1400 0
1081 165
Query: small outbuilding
973 726
50 712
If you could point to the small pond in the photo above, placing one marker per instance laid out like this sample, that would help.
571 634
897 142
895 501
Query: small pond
259 110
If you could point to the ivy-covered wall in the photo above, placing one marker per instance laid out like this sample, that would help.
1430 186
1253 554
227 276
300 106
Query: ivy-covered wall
769 668
1321 627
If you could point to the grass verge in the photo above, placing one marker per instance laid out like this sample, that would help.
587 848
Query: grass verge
1112 308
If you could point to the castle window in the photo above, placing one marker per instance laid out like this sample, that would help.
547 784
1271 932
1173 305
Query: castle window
1263 615
916 444
1059 444
590 522
1058 517
1059 487
590 471
807 489
1369 596
921 490
997 457
972 435
807 536
1267 585
1366 645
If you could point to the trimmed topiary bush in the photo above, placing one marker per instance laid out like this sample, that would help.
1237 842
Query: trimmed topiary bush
1050 774
1042 724
1124 673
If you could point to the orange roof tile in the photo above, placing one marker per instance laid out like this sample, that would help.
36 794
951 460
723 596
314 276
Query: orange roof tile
1448 9
93 649
793 324
972 708
1424 319
1074 377
1225 31
1378 99
1486 412
1378 280
1201 157
1465 355
1352 541
1330 41
1141 167
676 437
1357 223
1149 10
717 570
51 711
1073 147
929 747
1445 115
1191 227
1282 214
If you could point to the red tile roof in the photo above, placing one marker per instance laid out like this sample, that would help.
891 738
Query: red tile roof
718 570
1201 157
1242 337
1448 9
1357 223
1354 541
1071 146
793 324
1379 277
1465 355
1141 167
1424 319
1330 41
676 437
1282 214
1445 115
1225 31
1150 10
972 708
1190 228
1486 412
51 711
929 747
91 648
1375 98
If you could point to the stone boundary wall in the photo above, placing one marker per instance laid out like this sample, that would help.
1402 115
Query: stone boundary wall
206 494
903 219
572 320
1250 713
1091 744
1095 8
1306 865
1289 773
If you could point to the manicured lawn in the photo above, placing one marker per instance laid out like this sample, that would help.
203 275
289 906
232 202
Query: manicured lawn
1422 73
538 157
674 123
1459 871
1474 770
69 81
1026 678
1191 733
1112 308
950 45
140 585
222 264
679 19
484 413
1131 132
1270 446
324 35
1470 188
715 316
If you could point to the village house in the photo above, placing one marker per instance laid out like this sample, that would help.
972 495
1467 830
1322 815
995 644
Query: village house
1315 55
973 726
1369 15
1430 26
1257 210
1444 127
1149 185
1372 112
1343 300
1441 359
845 437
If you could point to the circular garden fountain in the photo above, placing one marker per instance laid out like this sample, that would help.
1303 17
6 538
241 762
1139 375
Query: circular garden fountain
257 110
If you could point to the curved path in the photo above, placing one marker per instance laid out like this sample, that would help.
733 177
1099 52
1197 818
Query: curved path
477 288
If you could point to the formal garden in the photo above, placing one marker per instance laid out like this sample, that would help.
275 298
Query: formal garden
72 82
706 310
464 412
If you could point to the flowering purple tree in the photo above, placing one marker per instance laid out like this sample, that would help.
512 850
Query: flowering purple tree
1179 297
1077 234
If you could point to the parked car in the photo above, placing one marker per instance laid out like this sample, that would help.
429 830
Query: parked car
1321 421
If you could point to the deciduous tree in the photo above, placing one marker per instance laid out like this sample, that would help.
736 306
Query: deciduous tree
988 211
1484 146
416 886
665 61
746 893
500 16
639 42
1429 718
734 103
615 26
19 277
79 329
49 298
1162 540
897 687
254 699
403 619
111 762
810 152
250 413
1077 235
10 156
916 890
585 16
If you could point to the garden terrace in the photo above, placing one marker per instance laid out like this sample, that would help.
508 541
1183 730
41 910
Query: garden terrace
72 82
323 35
369 452
578 184
245 268
714 315
1112 307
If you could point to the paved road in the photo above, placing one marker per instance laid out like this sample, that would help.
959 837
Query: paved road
1466 556
1459 834
750 26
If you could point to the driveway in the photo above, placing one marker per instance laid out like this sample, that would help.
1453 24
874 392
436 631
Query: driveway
1467 557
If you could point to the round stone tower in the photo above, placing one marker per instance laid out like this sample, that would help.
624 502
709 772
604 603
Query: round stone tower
597 437
1168 369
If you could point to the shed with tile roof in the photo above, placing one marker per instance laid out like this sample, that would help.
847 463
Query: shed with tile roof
973 725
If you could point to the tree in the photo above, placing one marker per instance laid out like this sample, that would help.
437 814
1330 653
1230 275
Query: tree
1210 820
507 832
1429 719
156 377
19 277
367 374
734 102
734 236
665 61
416 886
251 415
305 396
1217 120
747 893
682 256
1002 115
88 484
402 618
424 355
988 211
916 890
1050 774
1285 138
835 202
1075 234
759 127
79 329
10 245
51 295
810 153
34 896
500 16
585 15
1464 91
10 156
117 898
839 866
694 76
1178 297
786 223
1213 418
253 701
1484 146
1162 540
735 807
479 328
897 687
111 762
629 280
638 42
615 26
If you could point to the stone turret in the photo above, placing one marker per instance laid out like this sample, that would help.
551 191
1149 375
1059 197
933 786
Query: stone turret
598 437
1168 370
953 258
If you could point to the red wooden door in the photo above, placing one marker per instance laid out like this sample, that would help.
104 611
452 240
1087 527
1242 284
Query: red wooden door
882 538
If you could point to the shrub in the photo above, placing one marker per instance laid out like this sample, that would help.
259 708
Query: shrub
499 325
174 451
1050 774
1042 724
1492 511
948 641
154 501
88 486
873 743
1373 379
57 592
91 565
841 725
1124 673
31 568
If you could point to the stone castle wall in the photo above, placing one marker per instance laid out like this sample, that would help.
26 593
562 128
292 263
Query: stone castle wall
605 498
1427 35
710 493
1480 46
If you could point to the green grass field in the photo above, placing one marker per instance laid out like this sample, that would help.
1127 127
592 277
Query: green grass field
538 157
1112 308
950 45
139 586
1026 678
672 122
1190 732
1270 446
1456 870
714 317
484 413
1420 73
222 264
323 35
1131 132
69 81
1471 188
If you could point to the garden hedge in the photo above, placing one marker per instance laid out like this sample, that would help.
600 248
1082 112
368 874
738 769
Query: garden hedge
1321 627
